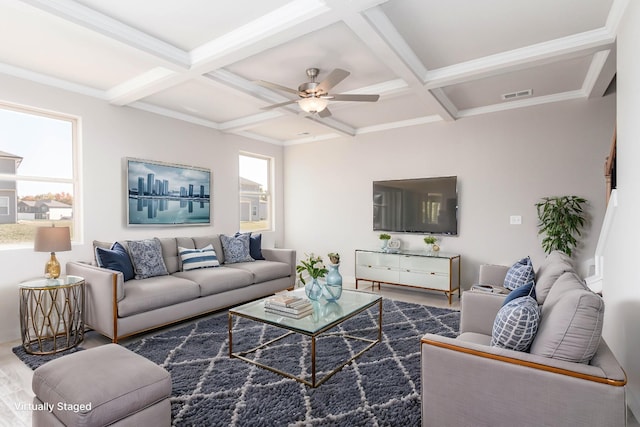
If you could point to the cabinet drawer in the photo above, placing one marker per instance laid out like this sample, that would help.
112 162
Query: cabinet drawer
377 274
432 281
377 259
425 264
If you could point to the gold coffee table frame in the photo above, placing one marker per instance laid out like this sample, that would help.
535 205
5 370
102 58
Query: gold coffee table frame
51 314
352 303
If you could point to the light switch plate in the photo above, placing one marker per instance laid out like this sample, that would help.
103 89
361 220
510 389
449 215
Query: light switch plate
515 219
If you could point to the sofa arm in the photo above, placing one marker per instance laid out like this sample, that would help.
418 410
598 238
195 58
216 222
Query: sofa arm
282 255
103 289
466 383
478 311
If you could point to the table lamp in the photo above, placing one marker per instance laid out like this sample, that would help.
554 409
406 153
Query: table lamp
52 239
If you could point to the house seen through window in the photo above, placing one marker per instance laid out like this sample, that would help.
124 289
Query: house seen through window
37 173
255 192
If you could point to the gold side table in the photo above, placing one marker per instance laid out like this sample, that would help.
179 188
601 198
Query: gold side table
51 314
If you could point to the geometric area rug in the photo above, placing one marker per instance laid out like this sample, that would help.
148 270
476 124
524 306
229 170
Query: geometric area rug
379 388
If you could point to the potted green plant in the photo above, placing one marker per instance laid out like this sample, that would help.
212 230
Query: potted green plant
384 240
431 243
560 219
314 268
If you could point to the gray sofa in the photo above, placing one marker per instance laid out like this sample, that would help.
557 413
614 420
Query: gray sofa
468 382
117 308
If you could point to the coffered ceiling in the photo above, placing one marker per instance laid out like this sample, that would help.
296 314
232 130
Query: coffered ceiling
199 60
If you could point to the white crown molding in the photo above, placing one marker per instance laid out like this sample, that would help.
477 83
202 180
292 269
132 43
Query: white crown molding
112 28
522 103
615 15
540 53
257 137
310 139
51 81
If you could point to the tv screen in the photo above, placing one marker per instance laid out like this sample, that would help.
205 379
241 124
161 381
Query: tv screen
424 205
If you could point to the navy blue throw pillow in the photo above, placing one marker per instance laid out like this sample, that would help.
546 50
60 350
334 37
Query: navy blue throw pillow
116 258
526 290
255 245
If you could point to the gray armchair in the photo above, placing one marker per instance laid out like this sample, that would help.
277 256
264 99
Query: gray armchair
467 382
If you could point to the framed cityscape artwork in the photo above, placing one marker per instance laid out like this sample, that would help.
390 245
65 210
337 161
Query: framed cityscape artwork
161 193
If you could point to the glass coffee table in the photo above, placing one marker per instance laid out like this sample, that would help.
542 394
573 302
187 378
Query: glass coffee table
325 317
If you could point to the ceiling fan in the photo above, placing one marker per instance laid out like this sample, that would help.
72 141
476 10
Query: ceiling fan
315 96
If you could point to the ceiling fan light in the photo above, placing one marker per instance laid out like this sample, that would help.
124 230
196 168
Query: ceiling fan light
313 104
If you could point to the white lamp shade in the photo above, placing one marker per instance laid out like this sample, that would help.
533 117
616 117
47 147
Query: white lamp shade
52 239
313 104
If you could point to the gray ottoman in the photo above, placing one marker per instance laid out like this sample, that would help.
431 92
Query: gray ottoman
106 385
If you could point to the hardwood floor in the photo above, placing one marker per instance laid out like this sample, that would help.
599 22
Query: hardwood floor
15 376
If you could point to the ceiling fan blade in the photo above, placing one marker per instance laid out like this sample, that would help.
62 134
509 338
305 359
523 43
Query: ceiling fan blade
276 86
334 77
357 98
324 113
282 104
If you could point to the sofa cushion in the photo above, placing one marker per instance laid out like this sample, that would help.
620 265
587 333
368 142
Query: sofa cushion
516 324
213 240
156 292
170 256
236 248
147 258
523 291
519 274
263 271
554 265
193 259
116 258
216 280
571 324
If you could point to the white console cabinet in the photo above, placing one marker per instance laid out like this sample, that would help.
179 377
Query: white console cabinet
437 271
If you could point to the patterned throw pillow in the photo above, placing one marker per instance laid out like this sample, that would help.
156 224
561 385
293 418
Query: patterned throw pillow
147 258
519 274
116 258
255 245
516 324
236 248
198 258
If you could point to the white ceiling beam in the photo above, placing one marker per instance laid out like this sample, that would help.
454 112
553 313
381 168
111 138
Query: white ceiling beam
571 46
174 114
600 73
95 21
143 85
375 29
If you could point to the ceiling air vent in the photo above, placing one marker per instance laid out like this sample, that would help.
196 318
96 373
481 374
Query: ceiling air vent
518 94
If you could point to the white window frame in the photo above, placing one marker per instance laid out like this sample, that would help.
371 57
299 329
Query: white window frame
269 193
77 232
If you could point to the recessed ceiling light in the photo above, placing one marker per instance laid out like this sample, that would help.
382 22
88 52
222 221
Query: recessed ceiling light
517 94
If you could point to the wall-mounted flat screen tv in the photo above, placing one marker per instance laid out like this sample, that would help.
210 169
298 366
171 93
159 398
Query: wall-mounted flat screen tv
424 205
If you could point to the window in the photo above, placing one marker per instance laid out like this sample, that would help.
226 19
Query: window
37 173
255 192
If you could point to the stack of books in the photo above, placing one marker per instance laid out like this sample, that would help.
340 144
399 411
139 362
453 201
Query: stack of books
289 306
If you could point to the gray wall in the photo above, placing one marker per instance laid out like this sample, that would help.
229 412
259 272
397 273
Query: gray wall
505 162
